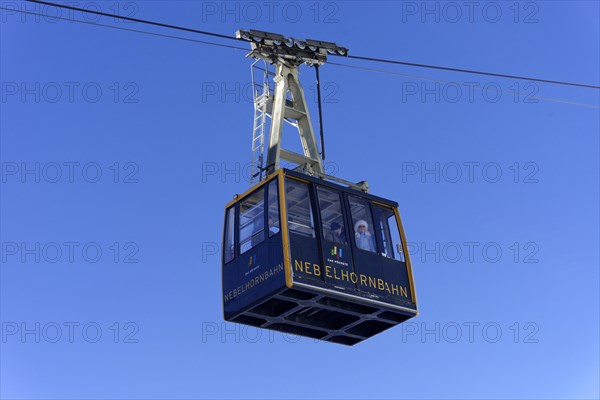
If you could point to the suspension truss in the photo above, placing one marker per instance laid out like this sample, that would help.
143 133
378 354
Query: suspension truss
279 99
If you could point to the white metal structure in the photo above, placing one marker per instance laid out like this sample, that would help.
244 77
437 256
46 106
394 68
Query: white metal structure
285 103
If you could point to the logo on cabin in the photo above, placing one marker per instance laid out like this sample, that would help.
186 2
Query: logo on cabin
336 252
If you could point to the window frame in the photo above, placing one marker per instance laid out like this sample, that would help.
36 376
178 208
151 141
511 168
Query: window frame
239 218
235 224
370 212
380 208
312 215
342 210
383 223
277 202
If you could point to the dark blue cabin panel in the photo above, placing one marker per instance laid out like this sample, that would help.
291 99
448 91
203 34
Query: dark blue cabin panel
257 269
346 277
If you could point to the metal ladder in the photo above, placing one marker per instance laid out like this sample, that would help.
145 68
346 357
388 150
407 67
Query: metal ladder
261 93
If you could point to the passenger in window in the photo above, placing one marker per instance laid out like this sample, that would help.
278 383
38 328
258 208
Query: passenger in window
272 228
337 234
364 240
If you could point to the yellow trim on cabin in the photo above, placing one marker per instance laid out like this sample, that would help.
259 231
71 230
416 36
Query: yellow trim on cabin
285 235
407 258
223 255
238 197
380 204
299 179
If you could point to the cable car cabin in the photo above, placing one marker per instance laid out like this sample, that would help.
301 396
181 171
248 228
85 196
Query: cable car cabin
309 257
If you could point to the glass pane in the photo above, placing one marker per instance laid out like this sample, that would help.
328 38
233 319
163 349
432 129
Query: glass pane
273 207
299 212
228 253
252 226
362 223
331 216
384 214
395 237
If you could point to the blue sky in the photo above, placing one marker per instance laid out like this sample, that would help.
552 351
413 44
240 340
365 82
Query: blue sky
119 151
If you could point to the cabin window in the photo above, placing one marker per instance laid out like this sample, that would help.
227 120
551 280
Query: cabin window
299 212
273 207
228 247
392 244
331 216
252 226
362 224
